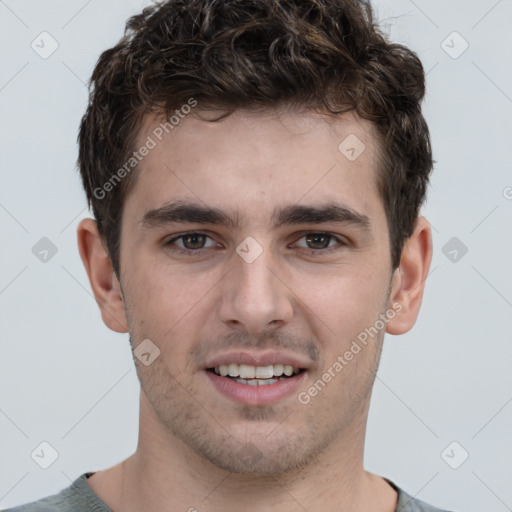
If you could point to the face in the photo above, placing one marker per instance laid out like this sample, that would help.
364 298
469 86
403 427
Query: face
253 246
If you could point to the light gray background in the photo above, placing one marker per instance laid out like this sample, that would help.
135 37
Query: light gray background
67 380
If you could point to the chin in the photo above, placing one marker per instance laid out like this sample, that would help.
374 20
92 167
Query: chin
266 453
251 460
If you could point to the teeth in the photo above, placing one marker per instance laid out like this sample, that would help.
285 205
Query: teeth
288 370
264 372
259 382
245 371
278 370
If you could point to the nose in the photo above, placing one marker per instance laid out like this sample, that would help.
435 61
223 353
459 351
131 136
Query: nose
255 295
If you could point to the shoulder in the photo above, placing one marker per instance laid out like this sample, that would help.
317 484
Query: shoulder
408 503
78 497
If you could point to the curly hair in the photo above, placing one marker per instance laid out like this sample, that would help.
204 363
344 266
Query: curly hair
325 55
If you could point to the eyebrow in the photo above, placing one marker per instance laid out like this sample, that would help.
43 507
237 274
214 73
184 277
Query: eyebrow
185 212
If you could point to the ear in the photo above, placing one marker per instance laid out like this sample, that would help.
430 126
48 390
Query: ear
104 283
408 281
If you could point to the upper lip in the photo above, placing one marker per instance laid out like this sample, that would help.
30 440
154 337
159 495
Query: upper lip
266 358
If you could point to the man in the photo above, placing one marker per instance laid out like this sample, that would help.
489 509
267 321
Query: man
256 170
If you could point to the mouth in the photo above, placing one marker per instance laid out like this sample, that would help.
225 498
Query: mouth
256 375
256 385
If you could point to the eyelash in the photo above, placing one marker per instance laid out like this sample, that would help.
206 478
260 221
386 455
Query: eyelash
194 252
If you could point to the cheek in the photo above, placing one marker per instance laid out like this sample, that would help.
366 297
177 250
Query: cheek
161 288
343 302
165 303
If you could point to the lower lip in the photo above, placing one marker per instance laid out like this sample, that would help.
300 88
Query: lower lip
256 395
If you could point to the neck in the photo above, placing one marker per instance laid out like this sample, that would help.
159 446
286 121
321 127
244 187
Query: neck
164 471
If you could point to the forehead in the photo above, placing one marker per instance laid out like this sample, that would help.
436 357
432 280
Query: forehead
252 162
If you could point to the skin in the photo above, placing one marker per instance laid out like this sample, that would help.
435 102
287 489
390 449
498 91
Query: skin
311 303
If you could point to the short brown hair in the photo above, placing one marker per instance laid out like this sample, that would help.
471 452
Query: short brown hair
324 55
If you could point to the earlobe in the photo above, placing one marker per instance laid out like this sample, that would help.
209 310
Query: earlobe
408 281
104 283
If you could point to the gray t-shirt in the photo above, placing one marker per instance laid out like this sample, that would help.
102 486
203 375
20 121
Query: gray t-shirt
79 497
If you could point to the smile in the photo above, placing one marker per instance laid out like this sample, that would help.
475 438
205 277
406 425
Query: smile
256 385
245 371
256 375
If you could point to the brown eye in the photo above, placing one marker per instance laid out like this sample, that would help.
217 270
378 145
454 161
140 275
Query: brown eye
191 242
318 240
320 243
